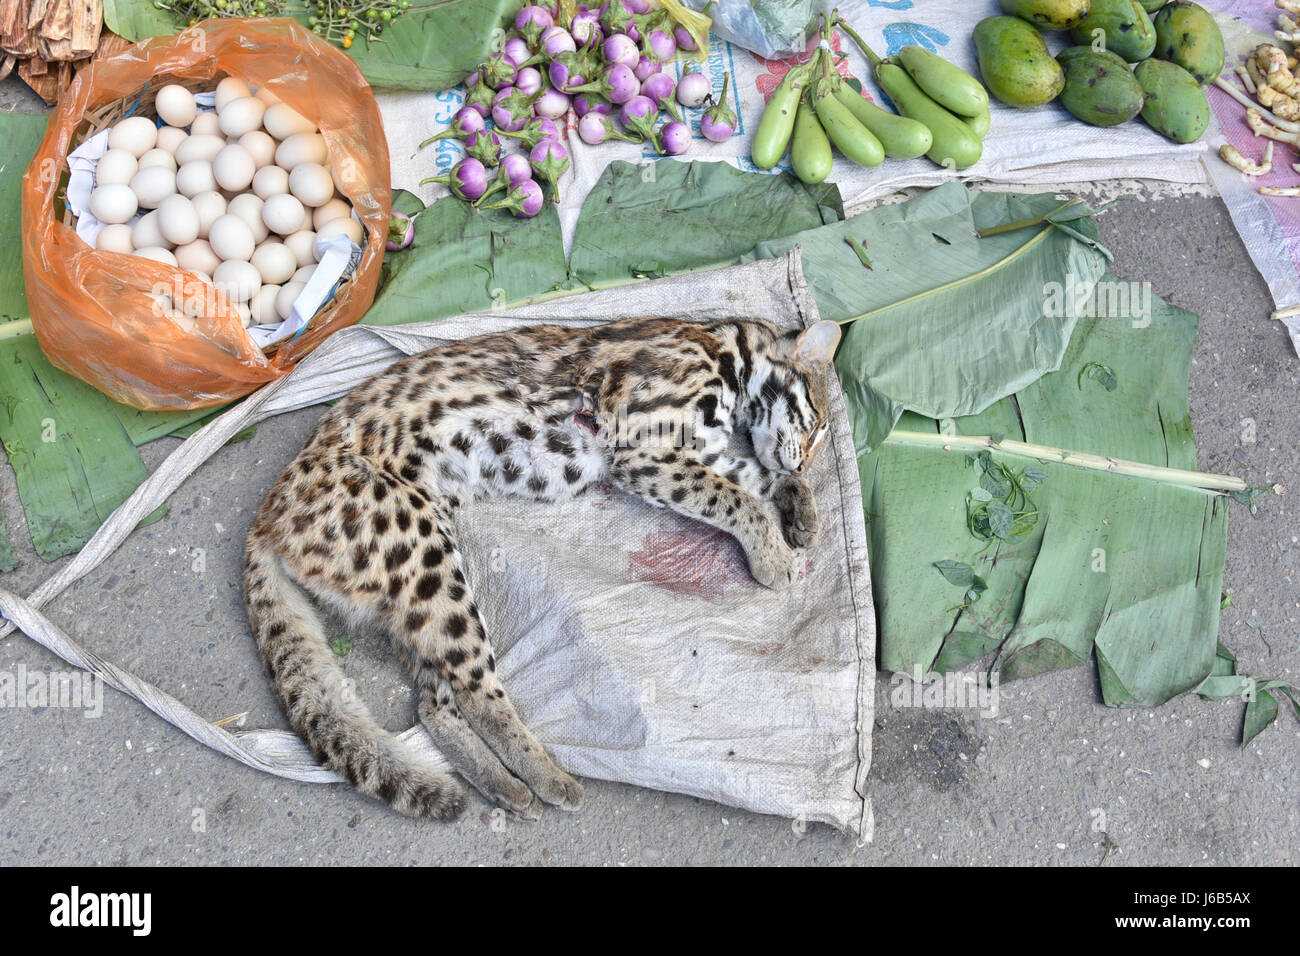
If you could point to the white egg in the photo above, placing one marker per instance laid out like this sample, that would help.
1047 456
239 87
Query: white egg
238 280
301 148
284 298
157 254
248 207
136 134
210 206
348 227
206 123
302 244
178 220
233 168
282 214
199 146
274 262
152 185
242 116
311 183
334 209
197 256
266 96
304 274
230 89
113 203
118 166
260 146
270 181
170 138
195 177
245 313
175 105
114 238
158 157
145 234
306 224
231 238
283 121
263 305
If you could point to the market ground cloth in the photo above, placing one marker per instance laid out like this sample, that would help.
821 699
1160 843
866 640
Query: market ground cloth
633 641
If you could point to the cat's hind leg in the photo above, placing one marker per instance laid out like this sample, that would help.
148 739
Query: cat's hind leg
436 626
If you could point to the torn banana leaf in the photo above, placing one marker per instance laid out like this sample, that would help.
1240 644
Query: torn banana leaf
19 137
1126 567
466 260
73 459
653 219
432 46
1260 695
945 323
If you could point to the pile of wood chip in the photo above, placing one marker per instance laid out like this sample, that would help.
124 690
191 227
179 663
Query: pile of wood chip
47 41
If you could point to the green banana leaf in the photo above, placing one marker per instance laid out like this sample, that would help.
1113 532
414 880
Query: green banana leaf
943 322
464 260
19 137
1128 568
652 219
73 459
432 46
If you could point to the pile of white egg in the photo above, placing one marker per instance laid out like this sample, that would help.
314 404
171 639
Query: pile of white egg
237 196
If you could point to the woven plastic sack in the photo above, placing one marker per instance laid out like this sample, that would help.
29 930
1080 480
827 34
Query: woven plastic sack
94 312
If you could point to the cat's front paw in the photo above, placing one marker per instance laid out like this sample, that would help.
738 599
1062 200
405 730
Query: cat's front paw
771 562
794 502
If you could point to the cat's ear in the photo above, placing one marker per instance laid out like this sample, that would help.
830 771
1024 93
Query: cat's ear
816 344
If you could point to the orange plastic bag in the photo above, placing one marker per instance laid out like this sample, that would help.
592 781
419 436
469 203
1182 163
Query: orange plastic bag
93 312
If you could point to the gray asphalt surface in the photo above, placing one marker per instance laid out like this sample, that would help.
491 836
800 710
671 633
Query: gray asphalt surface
1055 779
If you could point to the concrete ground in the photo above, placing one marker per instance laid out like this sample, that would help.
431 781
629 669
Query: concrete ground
1055 779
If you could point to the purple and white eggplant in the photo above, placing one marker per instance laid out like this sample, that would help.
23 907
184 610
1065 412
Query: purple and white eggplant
674 138
479 98
401 231
498 70
550 160
618 84
585 103
551 105
464 123
693 89
646 67
585 29
660 44
515 169
529 81
596 128
718 124
531 21
484 146
556 40
468 179
620 48
513 110
685 41
524 200
517 49
638 115
660 88
534 131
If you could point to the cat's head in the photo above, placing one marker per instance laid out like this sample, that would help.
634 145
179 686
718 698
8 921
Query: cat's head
792 417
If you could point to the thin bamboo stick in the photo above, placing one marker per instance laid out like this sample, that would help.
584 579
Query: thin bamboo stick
1078 459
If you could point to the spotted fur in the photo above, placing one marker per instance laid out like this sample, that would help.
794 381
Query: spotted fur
361 520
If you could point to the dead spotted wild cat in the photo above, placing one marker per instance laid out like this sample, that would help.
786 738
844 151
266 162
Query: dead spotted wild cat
361 520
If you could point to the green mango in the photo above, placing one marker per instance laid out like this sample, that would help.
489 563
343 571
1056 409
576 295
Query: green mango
1015 63
1186 34
1048 14
1127 31
1100 89
1151 6
1175 106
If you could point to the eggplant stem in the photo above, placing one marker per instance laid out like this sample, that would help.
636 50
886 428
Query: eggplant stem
862 44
